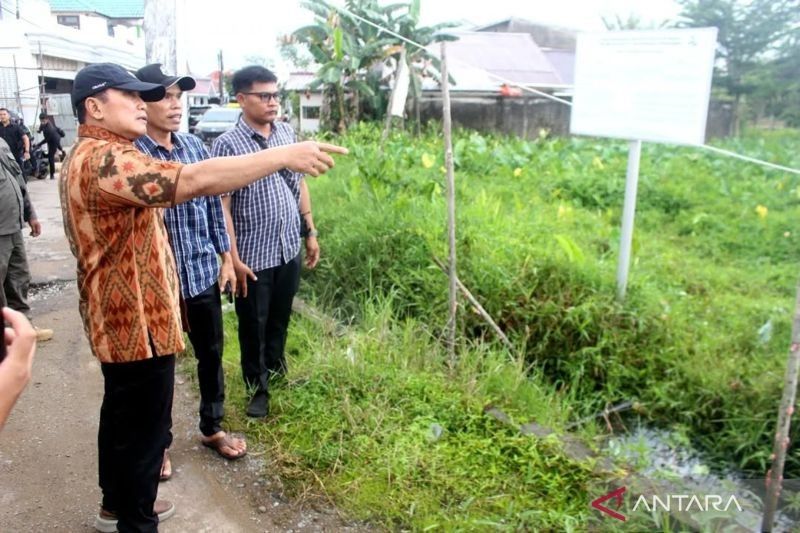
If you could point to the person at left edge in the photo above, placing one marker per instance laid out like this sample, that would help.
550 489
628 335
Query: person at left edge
198 236
16 138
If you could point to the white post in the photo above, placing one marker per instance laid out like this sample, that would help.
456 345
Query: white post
628 214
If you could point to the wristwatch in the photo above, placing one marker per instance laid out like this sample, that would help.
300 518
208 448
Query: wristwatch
312 233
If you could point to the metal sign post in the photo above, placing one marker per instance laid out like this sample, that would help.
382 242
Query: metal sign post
651 85
628 214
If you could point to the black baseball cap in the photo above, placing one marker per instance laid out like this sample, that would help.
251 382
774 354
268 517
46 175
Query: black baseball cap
98 77
152 74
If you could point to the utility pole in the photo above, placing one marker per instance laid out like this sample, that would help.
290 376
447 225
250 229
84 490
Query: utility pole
42 99
159 34
16 84
222 97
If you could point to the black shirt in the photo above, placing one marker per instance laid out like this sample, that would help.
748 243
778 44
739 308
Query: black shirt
50 133
13 134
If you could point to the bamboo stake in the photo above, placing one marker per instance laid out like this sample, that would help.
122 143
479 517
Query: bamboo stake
775 474
479 308
451 209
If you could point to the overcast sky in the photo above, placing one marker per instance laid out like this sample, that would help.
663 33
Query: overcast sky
243 28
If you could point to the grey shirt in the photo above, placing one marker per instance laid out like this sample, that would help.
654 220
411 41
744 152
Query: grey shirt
15 206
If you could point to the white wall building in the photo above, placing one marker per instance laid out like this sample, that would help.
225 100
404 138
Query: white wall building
310 101
44 45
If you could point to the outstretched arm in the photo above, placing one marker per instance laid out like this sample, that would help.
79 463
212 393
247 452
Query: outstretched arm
220 175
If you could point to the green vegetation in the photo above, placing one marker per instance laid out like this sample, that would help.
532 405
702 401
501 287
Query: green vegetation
377 422
715 261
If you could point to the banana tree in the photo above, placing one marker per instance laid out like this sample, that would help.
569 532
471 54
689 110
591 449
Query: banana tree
403 19
345 48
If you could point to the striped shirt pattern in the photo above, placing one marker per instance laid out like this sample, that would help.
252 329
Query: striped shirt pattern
197 227
266 217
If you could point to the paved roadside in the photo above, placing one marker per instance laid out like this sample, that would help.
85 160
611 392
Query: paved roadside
48 450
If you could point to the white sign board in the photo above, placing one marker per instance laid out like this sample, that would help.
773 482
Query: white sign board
644 85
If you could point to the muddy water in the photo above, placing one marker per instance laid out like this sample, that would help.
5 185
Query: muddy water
661 454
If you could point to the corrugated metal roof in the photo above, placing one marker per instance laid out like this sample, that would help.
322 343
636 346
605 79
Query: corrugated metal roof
118 9
70 44
512 56
564 63
298 81
544 35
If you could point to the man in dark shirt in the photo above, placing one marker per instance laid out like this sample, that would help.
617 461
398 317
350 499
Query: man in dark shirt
52 137
15 137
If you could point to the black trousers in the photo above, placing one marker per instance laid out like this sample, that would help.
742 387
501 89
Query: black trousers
204 313
51 156
263 321
135 422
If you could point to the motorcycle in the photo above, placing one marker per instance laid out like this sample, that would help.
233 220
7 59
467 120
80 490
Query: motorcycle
37 166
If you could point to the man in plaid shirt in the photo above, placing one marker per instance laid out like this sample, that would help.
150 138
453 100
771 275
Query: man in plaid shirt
197 234
264 225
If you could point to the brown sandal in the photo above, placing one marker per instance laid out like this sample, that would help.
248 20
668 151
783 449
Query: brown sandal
166 467
225 441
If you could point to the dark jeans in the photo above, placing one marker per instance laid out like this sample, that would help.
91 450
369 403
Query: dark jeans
263 321
135 422
51 156
204 313
14 273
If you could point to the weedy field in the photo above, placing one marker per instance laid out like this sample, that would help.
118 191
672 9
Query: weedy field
375 419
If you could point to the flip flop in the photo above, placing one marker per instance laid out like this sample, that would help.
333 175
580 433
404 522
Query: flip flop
223 442
166 467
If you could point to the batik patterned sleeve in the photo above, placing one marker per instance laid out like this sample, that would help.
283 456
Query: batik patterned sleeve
128 178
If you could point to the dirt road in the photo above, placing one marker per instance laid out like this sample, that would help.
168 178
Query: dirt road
48 451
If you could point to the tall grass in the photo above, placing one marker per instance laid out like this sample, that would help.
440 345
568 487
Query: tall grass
701 339
375 423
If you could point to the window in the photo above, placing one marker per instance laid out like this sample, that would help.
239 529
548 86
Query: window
311 112
73 21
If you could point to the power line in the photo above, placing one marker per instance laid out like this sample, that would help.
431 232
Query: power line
37 69
22 18
560 100
746 158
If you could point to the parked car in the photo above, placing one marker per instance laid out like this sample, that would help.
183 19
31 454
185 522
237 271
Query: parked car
195 114
215 122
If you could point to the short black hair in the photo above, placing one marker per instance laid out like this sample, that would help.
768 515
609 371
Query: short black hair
81 111
243 79
80 107
5 109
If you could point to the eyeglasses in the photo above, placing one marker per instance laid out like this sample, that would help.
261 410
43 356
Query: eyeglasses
265 97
